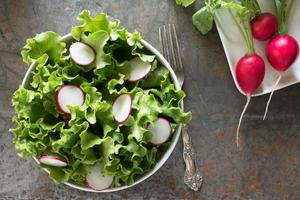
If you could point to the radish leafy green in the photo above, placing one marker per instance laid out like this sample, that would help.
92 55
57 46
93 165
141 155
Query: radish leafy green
90 134
241 12
203 19
185 3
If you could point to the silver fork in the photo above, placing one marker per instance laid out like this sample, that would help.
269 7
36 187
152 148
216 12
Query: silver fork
170 48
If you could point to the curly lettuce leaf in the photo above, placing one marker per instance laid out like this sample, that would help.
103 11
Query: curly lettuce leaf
155 79
31 109
94 24
97 40
43 47
113 84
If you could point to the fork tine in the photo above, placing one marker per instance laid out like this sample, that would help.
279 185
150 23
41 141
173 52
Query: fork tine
162 48
165 40
172 52
170 49
178 55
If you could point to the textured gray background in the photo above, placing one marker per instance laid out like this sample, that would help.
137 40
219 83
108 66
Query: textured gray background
268 167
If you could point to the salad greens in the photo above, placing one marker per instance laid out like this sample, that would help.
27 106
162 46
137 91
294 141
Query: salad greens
90 134
203 19
242 12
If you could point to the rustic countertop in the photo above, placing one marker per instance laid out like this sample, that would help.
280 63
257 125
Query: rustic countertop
268 167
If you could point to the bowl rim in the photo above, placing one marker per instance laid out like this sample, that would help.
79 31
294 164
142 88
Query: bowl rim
167 153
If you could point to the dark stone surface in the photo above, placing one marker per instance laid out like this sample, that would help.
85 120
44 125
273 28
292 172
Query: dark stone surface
268 166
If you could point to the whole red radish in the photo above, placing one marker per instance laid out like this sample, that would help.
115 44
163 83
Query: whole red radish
250 69
282 52
283 49
264 26
250 72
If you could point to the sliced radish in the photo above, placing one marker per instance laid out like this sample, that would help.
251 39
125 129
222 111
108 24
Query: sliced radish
53 161
138 69
161 130
69 95
121 108
96 180
81 53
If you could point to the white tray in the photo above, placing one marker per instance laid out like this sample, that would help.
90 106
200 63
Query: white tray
234 47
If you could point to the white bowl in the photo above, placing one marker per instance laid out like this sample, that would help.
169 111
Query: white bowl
68 39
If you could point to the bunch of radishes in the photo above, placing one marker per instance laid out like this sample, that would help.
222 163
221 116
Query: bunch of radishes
281 50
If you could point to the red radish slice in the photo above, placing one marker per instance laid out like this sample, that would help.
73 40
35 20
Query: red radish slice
121 108
138 69
69 95
53 161
81 53
161 130
96 180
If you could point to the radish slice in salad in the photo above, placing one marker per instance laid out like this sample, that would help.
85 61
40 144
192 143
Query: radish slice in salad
121 108
81 53
69 95
138 69
161 130
96 180
53 161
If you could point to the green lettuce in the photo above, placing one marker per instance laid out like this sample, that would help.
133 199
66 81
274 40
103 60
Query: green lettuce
97 40
89 134
44 46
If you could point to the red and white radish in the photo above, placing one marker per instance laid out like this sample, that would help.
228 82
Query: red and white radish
82 54
53 161
161 131
250 69
282 50
264 26
250 72
138 69
69 95
122 107
96 180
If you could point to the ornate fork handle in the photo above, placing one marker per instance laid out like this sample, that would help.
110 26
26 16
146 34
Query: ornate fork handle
192 176
170 48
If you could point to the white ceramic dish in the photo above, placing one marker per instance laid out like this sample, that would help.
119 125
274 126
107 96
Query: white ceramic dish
68 39
234 47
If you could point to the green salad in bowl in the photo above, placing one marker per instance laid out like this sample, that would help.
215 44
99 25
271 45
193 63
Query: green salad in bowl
99 109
